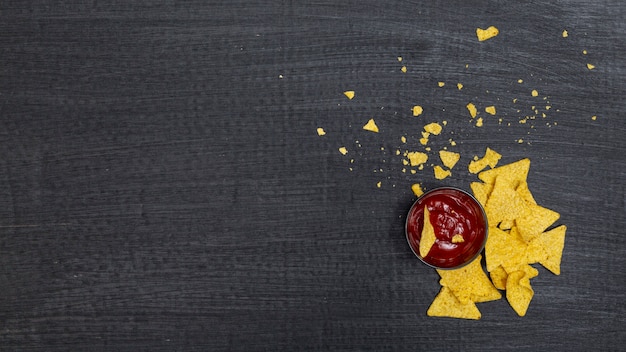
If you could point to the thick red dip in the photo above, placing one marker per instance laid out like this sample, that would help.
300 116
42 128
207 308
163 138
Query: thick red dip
452 212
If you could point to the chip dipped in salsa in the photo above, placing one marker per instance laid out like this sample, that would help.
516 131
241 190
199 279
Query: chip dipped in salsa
459 223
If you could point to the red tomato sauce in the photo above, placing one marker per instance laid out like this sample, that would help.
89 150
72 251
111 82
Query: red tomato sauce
452 212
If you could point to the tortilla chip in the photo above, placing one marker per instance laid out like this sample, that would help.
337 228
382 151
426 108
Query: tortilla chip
536 221
371 126
498 277
428 238
469 283
504 203
446 304
518 292
441 173
504 249
547 249
514 173
523 191
417 158
417 189
481 191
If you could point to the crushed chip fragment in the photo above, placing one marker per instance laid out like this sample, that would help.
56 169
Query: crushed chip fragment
371 126
320 131
441 173
484 34
449 159
428 238
349 94
433 127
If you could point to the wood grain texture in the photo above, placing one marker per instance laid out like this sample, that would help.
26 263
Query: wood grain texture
163 187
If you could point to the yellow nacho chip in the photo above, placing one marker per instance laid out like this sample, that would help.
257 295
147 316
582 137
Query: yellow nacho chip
449 159
481 191
504 203
524 192
518 291
469 283
349 94
446 304
428 238
471 108
515 173
498 277
536 221
547 249
504 249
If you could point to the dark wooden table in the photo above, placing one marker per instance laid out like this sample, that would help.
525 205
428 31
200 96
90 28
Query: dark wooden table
163 186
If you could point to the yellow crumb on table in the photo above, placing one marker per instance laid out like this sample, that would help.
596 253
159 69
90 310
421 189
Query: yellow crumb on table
320 131
484 34
343 150
441 84
534 93
371 126
490 110
403 69
472 109
459 86
449 159
433 128
564 34
417 158
479 122
417 189
417 110
349 94
441 173
590 66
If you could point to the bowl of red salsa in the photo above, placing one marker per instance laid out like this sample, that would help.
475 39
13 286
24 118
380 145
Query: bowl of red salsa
456 214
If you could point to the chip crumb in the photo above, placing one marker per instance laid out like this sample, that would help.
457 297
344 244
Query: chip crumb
520 141
343 150
479 122
403 139
590 66
433 128
564 34
441 173
399 58
458 238
484 34
452 143
449 159
379 184
472 109
417 110
349 94
490 159
417 189
520 81
441 84
491 110
594 117
371 126
403 69
320 131
459 85
417 158
584 52
534 93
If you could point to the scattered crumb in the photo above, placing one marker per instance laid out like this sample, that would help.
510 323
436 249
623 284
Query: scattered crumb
472 109
281 76
403 140
484 34
520 81
459 86
413 172
490 159
371 126
417 110
379 184
564 34
534 93
449 159
479 122
403 69
441 84
343 150
584 52
433 128
349 94
320 131
440 173
417 189
590 66
417 158
399 58
490 110
594 117
452 143
444 122
458 238
520 141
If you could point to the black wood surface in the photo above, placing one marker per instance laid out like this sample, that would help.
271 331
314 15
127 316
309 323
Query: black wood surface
163 186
